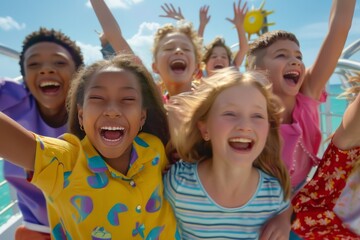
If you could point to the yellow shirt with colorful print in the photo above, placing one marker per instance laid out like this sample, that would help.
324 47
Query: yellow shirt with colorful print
90 200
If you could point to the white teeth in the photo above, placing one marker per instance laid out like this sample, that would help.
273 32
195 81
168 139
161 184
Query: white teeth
178 61
293 73
241 140
112 140
46 84
113 128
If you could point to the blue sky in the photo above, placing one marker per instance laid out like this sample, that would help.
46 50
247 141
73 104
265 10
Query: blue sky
139 19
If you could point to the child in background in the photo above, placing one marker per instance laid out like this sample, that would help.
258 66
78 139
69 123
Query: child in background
104 180
48 61
301 90
231 180
217 54
328 207
176 50
177 55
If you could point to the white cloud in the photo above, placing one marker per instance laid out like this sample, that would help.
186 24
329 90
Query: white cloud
142 41
8 23
119 3
91 53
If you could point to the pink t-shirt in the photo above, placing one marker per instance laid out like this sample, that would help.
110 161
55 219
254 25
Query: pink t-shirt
302 139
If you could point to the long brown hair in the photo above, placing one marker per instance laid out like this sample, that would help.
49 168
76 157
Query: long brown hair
156 122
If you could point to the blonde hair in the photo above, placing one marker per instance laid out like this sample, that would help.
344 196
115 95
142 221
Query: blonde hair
185 28
351 92
187 109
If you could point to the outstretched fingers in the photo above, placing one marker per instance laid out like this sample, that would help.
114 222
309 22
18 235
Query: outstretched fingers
171 12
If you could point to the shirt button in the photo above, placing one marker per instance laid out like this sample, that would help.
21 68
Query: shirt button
132 183
138 208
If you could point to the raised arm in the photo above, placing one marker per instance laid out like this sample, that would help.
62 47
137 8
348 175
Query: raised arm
319 73
17 145
347 134
110 27
204 19
238 21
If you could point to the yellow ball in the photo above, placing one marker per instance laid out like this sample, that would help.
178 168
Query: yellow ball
253 21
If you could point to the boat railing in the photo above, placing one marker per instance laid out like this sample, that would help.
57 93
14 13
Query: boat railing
10 216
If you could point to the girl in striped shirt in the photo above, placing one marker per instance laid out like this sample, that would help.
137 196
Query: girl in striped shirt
231 180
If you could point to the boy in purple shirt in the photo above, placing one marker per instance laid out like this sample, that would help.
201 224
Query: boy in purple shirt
48 61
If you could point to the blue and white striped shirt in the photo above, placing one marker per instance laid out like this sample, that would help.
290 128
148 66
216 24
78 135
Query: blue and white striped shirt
200 217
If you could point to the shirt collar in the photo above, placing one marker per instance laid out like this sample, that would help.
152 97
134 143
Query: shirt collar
140 154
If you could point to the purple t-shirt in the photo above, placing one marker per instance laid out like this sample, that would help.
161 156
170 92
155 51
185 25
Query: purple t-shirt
17 102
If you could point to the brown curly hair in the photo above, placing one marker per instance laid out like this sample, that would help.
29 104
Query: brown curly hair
54 36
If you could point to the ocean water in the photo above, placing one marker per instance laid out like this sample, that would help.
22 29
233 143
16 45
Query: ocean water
5 197
337 107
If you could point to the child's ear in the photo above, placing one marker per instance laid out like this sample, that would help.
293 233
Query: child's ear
80 115
154 68
143 117
202 126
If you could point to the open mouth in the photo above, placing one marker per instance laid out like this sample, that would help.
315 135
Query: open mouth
218 66
178 66
49 87
292 77
241 144
112 134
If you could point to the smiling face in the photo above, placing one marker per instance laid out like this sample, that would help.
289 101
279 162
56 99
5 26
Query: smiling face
112 113
175 62
218 59
237 125
283 62
49 68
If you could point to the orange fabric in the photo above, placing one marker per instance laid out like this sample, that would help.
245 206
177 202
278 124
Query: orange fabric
23 233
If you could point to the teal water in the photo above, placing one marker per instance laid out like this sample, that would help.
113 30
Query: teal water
337 107
5 197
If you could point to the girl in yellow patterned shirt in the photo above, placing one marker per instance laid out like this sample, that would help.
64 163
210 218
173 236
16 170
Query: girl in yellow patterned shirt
104 180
